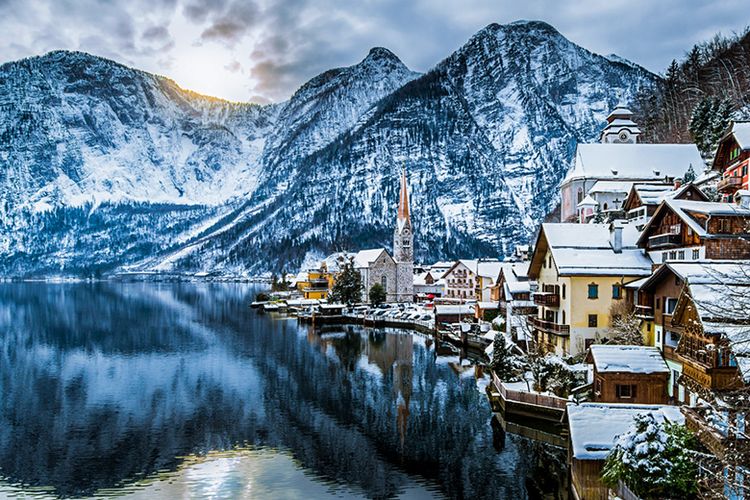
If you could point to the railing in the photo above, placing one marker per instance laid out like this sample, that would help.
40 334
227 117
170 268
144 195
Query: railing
708 435
664 240
644 312
549 326
549 299
729 184
530 398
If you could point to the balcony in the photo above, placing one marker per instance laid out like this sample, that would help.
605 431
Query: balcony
666 240
549 299
717 441
715 379
549 326
729 184
644 312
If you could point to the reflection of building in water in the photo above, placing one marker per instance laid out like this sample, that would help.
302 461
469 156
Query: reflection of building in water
394 356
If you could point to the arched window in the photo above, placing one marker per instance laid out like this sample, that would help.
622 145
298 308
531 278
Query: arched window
563 293
563 317
580 195
605 206
384 281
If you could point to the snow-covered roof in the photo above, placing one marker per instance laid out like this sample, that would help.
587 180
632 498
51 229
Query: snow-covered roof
364 258
454 309
683 209
595 426
620 110
488 268
633 161
611 187
518 286
741 132
588 201
586 250
637 283
653 194
733 272
488 305
628 359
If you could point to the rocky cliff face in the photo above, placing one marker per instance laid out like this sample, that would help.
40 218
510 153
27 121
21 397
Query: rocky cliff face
103 166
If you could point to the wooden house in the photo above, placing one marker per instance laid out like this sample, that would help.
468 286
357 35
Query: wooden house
696 230
732 159
593 429
628 374
644 198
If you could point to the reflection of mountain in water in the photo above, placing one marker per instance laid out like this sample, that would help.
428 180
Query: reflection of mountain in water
105 383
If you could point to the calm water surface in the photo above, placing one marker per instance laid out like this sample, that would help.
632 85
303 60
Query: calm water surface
182 391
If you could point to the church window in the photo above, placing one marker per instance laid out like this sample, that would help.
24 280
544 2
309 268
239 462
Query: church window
384 281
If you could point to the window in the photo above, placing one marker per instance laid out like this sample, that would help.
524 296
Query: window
593 321
580 195
669 304
593 291
563 291
550 262
598 385
681 255
724 226
616 292
384 281
744 170
563 317
677 281
672 255
663 257
648 327
696 254
625 391
658 303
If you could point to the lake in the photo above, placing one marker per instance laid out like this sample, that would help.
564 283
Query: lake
148 390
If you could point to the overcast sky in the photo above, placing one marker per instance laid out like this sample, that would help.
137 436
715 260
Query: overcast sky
262 50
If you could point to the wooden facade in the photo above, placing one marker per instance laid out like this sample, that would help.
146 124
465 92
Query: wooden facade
732 161
586 479
629 387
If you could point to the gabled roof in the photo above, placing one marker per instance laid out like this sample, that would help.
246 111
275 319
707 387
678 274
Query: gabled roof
633 162
611 187
489 269
595 426
628 359
683 209
471 264
703 273
586 250
364 258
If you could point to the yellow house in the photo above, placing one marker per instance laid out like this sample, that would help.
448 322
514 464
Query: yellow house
581 270
316 284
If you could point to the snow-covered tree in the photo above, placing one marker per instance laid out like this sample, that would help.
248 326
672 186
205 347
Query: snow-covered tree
508 362
377 294
654 459
625 328
689 175
348 286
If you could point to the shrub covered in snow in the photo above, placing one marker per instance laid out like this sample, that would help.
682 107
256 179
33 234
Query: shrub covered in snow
507 364
654 460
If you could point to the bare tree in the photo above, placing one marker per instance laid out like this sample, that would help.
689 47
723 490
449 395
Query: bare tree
625 328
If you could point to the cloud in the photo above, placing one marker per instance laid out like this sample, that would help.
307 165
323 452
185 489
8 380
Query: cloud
268 48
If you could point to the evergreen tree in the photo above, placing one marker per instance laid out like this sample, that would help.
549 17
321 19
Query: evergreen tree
377 294
598 216
689 175
348 287
654 460
508 365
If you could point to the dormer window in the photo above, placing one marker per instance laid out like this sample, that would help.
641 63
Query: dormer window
614 172
657 173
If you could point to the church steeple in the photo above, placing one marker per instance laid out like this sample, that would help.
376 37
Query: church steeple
404 216
403 246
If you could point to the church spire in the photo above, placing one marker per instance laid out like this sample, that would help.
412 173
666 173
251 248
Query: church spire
403 200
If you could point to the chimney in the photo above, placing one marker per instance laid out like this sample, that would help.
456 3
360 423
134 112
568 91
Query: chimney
742 197
615 233
677 183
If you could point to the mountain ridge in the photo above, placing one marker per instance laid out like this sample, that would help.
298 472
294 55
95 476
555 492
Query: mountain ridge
485 135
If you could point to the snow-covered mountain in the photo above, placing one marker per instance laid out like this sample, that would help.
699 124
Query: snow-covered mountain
102 166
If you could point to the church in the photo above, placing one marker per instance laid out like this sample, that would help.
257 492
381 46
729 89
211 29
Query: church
395 272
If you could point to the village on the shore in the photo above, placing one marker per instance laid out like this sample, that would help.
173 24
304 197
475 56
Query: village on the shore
626 326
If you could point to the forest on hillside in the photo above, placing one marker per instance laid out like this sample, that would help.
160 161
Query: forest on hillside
699 95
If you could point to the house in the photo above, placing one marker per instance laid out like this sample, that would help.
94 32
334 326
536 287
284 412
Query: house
316 285
486 310
439 268
610 195
618 157
428 283
688 230
643 199
628 374
461 280
593 429
732 158
713 316
521 253
487 272
452 313
512 292
581 270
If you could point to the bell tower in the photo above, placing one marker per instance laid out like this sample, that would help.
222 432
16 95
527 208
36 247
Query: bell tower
403 246
620 129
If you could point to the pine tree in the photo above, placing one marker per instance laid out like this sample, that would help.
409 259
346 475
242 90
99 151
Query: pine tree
654 460
689 175
506 364
377 294
348 287
598 216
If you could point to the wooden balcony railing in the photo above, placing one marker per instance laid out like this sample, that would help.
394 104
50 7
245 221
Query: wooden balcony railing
716 441
664 240
729 184
549 326
549 299
712 378
644 312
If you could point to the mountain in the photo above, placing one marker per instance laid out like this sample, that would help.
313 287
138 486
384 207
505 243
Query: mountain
104 167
